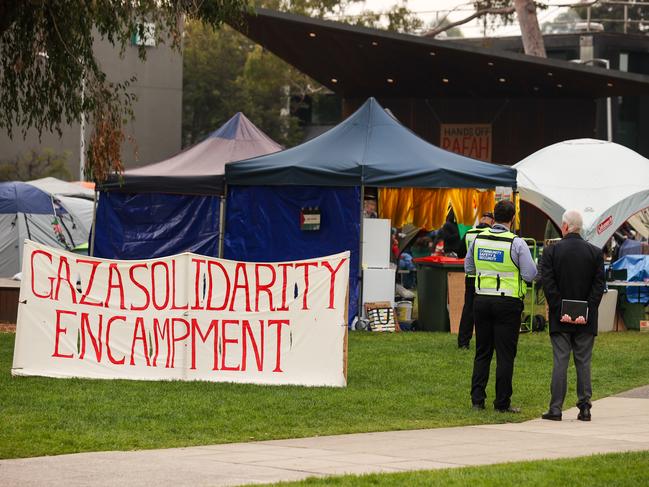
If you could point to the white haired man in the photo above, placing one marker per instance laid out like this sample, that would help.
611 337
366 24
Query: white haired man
572 269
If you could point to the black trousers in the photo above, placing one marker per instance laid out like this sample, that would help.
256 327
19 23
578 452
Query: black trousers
497 325
466 322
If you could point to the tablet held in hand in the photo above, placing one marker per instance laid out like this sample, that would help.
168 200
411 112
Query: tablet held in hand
574 311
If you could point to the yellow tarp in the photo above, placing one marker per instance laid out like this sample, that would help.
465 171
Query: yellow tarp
427 208
485 201
462 201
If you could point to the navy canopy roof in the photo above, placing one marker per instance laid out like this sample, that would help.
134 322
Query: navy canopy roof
370 148
17 197
199 169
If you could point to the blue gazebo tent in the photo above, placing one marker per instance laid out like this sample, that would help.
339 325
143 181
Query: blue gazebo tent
267 194
174 205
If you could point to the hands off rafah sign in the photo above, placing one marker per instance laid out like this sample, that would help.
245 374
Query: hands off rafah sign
471 140
184 317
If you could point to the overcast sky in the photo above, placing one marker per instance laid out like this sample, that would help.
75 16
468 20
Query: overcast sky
429 10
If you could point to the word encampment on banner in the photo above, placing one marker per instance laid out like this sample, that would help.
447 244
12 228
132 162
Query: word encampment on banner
184 317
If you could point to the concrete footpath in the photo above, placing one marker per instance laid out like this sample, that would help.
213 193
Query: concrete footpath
620 423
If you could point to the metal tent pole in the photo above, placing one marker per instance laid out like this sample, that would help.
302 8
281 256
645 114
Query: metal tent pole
92 227
360 256
222 209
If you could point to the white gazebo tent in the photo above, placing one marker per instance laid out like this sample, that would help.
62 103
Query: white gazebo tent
607 182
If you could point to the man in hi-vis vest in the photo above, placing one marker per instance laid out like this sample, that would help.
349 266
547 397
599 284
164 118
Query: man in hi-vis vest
465 332
501 263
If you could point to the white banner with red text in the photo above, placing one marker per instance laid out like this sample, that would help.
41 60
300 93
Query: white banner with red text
183 317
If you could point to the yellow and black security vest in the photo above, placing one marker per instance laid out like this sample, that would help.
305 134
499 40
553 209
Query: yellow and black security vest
496 272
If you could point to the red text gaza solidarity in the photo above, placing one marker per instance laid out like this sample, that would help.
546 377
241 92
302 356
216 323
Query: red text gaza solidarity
216 288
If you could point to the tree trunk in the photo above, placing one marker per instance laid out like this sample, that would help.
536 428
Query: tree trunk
530 30
9 11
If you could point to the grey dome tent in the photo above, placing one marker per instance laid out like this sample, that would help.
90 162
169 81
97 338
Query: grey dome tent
267 194
29 212
173 206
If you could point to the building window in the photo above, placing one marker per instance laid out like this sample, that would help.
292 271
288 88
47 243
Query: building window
145 35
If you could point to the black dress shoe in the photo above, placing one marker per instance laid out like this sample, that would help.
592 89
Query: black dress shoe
508 410
584 414
550 416
478 406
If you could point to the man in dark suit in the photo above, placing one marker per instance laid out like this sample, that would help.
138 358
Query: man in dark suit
572 269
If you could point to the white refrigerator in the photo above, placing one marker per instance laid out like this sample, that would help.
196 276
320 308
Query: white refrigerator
378 276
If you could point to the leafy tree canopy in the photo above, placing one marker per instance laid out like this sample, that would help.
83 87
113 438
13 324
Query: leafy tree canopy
225 72
49 75
35 164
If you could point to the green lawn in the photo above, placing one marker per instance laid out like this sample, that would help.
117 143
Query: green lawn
616 469
396 381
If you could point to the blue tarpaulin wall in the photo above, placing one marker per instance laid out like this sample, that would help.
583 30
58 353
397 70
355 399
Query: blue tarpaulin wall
637 269
263 225
149 225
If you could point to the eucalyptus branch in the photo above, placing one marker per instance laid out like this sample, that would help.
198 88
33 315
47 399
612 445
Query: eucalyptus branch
476 14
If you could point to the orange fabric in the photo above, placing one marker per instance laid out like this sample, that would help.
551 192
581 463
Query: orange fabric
86 184
396 204
422 208
430 207
517 205
485 201
427 208
387 202
403 213
463 207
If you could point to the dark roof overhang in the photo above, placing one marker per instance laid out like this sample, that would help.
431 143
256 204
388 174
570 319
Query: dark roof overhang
358 62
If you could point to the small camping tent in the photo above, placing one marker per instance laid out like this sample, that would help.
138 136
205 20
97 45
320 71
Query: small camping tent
75 198
174 205
607 182
268 195
28 212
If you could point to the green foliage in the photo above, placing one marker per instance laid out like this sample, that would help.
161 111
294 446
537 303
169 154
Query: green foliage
400 19
496 18
396 382
501 12
619 469
49 75
213 62
611 16
34 165
224 72
311 8
267 83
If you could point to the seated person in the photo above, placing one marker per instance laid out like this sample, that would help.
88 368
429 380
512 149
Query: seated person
423 247
450 234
